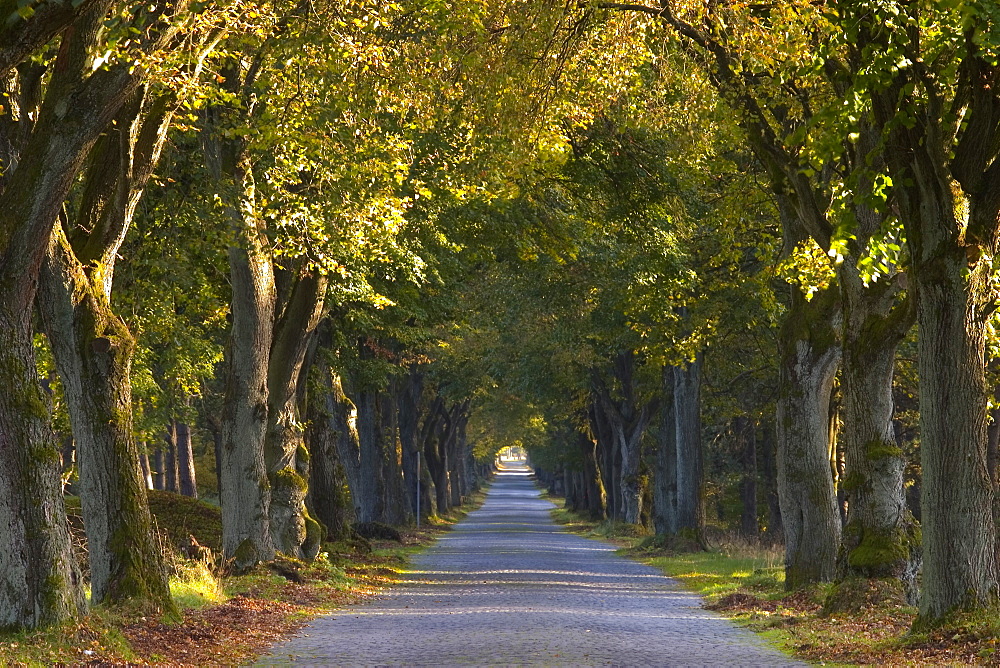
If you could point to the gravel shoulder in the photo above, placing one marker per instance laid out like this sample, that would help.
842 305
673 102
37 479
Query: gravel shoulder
509 587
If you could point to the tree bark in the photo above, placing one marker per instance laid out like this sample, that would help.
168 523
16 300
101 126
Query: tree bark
293 531
626 422
40 582
665 474
690 468
171 471
959 536
159 467
370 441
408 410
396 507
606 453
245 495
93 350
328 499
596 501
436 455
879 538
186 478
344 420
809 356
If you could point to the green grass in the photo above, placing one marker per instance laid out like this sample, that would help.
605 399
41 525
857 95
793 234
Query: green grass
716 574
195 586
70 642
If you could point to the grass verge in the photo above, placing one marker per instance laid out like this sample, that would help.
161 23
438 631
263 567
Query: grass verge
745 582
224 620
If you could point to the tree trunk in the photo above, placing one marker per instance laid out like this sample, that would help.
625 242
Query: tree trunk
436 455
40 582
293 531
171 472
879 538
159 468
37 583
959 537
596 505
606 450
690 469
665 474
93 350
328 498
457 455
245 495
186 480
809 357
408 411
369 438
626 422
344 420
746 446
396 507
147 474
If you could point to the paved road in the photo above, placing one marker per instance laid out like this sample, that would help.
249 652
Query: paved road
509 587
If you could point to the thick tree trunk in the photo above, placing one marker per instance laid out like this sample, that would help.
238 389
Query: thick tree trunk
171 474
959 537
93 350
40 582
690 469
746 445
187 482
80 105
408 411
396 507
809 357
631 497
436 455
665 474
293 531
370 440
879 538
344 419
159 468
606 451
457 456
596 504
328 498
626 423
37 583
245 495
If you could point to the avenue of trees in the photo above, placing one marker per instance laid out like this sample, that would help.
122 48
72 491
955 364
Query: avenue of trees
716 266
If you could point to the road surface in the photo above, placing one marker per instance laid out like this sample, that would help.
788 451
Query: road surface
509 587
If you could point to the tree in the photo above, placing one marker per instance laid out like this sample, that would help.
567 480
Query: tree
935 113
47 147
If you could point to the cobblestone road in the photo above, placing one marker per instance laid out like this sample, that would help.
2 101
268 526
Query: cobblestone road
508 587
